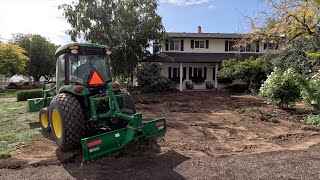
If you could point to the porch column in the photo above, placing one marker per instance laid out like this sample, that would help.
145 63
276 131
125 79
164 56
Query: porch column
216 77
181 69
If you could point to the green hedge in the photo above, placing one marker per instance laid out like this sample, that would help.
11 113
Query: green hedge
27 94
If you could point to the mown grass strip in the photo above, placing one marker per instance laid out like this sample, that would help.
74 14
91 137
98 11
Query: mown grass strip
17 126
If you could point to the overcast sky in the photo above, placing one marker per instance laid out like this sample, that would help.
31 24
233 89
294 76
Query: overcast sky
43 17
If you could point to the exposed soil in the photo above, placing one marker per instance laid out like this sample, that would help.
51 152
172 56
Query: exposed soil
200 125
8 99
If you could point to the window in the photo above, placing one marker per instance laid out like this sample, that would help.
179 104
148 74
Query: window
60 72
251 47
270 46
198 44
176 72
184 73
199 72
205 72
231 46
195 72
174 45
190 72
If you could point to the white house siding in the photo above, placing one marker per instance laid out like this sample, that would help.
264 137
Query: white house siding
215 46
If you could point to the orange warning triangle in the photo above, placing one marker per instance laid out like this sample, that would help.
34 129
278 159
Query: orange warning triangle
95 79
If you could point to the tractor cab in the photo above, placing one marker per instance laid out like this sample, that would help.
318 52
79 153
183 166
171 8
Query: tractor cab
82 64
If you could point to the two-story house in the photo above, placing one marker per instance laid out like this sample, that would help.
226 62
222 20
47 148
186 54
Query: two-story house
195 58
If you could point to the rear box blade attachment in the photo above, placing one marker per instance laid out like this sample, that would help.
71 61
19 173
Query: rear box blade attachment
107 143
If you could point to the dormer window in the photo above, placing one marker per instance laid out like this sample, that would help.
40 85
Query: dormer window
174 45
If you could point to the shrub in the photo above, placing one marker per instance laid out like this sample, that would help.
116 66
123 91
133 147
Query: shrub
251 71
281 88
313 120
310 91
150 79
237 88
24 95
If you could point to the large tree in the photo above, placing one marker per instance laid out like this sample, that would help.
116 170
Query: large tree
286 18
12 59
128 27
41 54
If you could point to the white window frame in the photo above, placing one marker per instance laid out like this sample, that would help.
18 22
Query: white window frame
176 45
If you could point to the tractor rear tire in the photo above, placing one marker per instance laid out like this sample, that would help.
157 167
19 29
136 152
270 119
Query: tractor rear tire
44 119
67 121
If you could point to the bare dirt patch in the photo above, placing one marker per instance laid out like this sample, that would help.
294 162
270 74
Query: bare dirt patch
200 124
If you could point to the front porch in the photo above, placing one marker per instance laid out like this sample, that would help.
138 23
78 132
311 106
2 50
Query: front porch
200 75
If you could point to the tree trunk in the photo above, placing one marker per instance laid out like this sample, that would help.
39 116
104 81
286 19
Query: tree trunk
36 79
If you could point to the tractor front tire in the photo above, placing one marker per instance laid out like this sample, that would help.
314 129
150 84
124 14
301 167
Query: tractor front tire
44 119
67 121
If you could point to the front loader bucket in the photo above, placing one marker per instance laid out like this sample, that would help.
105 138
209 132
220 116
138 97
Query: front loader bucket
104 144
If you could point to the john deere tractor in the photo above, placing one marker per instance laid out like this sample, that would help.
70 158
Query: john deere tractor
84 107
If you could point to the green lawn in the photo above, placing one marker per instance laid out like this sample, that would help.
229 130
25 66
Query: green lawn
17 126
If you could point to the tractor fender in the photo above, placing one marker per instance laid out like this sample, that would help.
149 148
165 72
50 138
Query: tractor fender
74 89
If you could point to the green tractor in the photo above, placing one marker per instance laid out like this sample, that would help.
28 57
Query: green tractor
84 107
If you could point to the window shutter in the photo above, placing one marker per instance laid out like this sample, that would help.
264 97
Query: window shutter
265 46
207 44
214 73
167 45
226 46
190 73
169 73
205 73
182 45
192 44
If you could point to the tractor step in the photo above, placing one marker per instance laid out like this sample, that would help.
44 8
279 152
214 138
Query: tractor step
107 143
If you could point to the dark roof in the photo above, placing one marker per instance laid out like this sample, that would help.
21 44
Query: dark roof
205 35
171 57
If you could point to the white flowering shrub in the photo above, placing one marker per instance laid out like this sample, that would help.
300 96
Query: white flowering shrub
310 91
281 88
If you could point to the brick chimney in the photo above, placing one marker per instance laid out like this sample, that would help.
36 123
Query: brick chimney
199 29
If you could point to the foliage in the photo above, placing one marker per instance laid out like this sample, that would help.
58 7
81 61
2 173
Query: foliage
297 56
310 91
281 88
12 59
129 28
198 80
313 120
289 18
41 54
134 89
251 71
28 94
150 79
17 126
237 88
